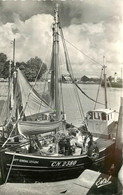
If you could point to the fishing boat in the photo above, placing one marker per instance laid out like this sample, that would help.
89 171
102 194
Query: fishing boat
101 122
54 149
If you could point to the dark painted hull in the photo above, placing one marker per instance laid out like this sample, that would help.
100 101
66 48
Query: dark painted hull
31 168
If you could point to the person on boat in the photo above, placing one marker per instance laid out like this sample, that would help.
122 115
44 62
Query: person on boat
73 144
62 145
32 147
68 148
87 140
83 129
90 146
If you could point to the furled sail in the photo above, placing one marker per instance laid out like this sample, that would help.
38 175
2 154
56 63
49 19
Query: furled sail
28 128
32 103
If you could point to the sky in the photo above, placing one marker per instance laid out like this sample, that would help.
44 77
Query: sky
94 27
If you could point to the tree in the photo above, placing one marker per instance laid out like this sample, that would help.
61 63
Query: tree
3 60
32 68
5 71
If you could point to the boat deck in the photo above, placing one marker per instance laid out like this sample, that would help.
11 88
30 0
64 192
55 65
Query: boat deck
104 143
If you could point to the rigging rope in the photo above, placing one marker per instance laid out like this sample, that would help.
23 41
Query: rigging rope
69 69
62 100
71 73
62 36
12 129
44 88
26 104
35 84
87 95
98 88
81 51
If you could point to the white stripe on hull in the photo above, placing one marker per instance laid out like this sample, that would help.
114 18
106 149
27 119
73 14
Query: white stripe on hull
47 157
42 167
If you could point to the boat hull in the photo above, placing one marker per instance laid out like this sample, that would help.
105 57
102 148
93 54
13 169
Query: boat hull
32 168
41 168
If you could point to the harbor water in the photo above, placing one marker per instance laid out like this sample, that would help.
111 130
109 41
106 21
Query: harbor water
70 103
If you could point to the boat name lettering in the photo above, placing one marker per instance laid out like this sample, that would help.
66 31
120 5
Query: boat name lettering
63 163
103 181
34 161
26 161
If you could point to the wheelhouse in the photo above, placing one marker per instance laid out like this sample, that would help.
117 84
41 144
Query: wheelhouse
98 121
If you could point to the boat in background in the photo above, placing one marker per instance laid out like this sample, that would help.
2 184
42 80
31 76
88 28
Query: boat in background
54 150
101 122
118 84
114 82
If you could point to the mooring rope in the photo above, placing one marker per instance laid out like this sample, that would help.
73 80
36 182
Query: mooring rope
10 169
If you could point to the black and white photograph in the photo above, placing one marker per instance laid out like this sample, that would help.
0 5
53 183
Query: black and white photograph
61 97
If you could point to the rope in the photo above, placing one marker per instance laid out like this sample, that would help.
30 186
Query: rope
10 169
61 90
69 69
23 108
36 82
44 87
81 51
75 46
80 105
87 95
39 70
12 130
98 88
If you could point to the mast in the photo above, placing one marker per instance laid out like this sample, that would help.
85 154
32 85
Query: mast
9 94
55 56
14 87
105 82
14 52
9 80
14 70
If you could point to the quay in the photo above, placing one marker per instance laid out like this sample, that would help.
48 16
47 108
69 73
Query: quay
88 183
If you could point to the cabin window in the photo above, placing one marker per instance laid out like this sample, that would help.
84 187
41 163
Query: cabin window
103 116
90 115
97 115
